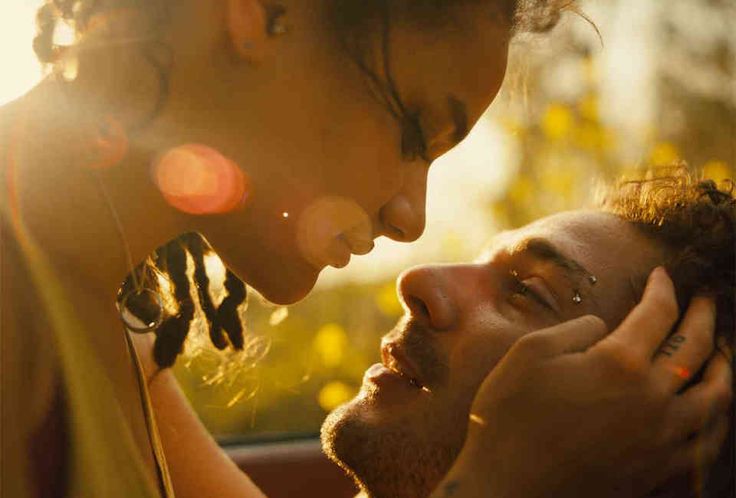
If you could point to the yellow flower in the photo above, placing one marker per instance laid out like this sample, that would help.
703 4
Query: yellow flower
557 121
387 300
329 344
664 154
589 107
717 170
333 394
521 190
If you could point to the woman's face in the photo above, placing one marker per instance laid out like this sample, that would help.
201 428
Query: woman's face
322 155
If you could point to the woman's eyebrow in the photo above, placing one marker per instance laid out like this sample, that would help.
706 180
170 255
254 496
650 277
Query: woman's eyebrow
459 114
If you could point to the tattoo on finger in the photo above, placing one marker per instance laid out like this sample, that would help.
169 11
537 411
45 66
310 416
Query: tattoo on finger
671 345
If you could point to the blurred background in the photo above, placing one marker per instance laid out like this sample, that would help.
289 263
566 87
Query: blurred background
656 85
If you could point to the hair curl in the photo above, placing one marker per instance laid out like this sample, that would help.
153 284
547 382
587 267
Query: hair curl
694 219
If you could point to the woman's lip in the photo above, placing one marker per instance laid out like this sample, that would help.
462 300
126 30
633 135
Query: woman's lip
338 253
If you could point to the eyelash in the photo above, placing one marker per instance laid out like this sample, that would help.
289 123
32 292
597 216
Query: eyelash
521 289
413 142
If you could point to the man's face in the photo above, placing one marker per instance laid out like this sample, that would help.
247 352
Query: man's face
402 432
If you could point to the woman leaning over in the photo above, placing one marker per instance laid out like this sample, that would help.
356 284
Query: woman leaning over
286 135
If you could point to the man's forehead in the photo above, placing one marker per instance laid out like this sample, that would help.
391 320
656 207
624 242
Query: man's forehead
567 231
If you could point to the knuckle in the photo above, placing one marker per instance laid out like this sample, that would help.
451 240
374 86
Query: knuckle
623 361
594 323
533 344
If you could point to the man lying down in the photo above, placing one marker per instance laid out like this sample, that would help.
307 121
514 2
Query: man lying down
402 432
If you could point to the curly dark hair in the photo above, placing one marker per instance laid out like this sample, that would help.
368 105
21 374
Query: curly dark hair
694 220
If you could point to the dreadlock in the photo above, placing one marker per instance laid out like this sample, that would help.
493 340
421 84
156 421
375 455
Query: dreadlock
171 262
196 249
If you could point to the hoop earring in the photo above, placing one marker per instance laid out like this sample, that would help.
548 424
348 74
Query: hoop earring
147 301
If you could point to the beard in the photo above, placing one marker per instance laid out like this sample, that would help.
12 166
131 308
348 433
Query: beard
403 452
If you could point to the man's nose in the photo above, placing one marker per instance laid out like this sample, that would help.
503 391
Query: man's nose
403 216
423 290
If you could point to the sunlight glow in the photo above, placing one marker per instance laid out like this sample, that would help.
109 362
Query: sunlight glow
21 70
197 179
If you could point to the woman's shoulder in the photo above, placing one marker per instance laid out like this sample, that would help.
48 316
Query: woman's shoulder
30 375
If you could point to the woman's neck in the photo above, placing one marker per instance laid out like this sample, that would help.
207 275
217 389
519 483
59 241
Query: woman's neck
92 223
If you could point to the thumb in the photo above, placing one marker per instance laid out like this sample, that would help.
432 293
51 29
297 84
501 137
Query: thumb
573 336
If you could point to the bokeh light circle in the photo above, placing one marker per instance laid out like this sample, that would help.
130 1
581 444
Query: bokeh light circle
197 179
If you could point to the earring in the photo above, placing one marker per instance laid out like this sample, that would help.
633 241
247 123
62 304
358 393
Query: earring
141 310
275 25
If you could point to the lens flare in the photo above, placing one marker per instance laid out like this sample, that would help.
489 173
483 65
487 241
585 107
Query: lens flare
197 179
330 228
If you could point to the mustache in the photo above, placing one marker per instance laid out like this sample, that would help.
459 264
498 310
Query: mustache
417 342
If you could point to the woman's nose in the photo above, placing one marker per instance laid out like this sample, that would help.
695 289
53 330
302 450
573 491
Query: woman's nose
423 291
403 216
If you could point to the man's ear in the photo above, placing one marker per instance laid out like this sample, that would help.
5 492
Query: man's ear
247 28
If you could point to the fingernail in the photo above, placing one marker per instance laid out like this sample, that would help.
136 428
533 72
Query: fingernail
658 272
705 299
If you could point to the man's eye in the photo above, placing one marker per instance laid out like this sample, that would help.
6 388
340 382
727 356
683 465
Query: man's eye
413 143
521 289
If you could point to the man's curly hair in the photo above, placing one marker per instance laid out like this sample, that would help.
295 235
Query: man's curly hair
694 220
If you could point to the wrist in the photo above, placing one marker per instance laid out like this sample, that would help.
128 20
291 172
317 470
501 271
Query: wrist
470 477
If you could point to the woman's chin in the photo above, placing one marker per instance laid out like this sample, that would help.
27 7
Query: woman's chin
288 287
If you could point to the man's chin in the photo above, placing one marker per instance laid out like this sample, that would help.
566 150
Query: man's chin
386 458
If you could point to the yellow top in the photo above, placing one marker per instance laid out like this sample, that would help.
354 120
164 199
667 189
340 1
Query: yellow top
102 457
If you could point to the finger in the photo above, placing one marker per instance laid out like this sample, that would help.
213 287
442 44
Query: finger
651 320
702 451
684 352
572 336
692 410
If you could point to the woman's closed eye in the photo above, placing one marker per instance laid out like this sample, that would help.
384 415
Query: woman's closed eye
413 141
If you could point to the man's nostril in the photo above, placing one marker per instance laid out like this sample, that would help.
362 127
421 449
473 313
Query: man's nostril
396 232
418 308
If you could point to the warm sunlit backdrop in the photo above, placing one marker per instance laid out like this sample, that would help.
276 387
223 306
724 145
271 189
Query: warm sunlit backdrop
656 87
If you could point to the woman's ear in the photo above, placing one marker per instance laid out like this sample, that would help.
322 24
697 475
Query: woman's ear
247 26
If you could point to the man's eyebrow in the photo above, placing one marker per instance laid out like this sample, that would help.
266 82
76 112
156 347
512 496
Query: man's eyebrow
543 249
459 113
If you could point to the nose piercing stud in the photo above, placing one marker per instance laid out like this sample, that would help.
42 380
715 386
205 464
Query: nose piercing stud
592 279
577 298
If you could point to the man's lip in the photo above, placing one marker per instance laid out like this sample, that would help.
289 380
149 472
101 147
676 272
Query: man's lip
394 358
